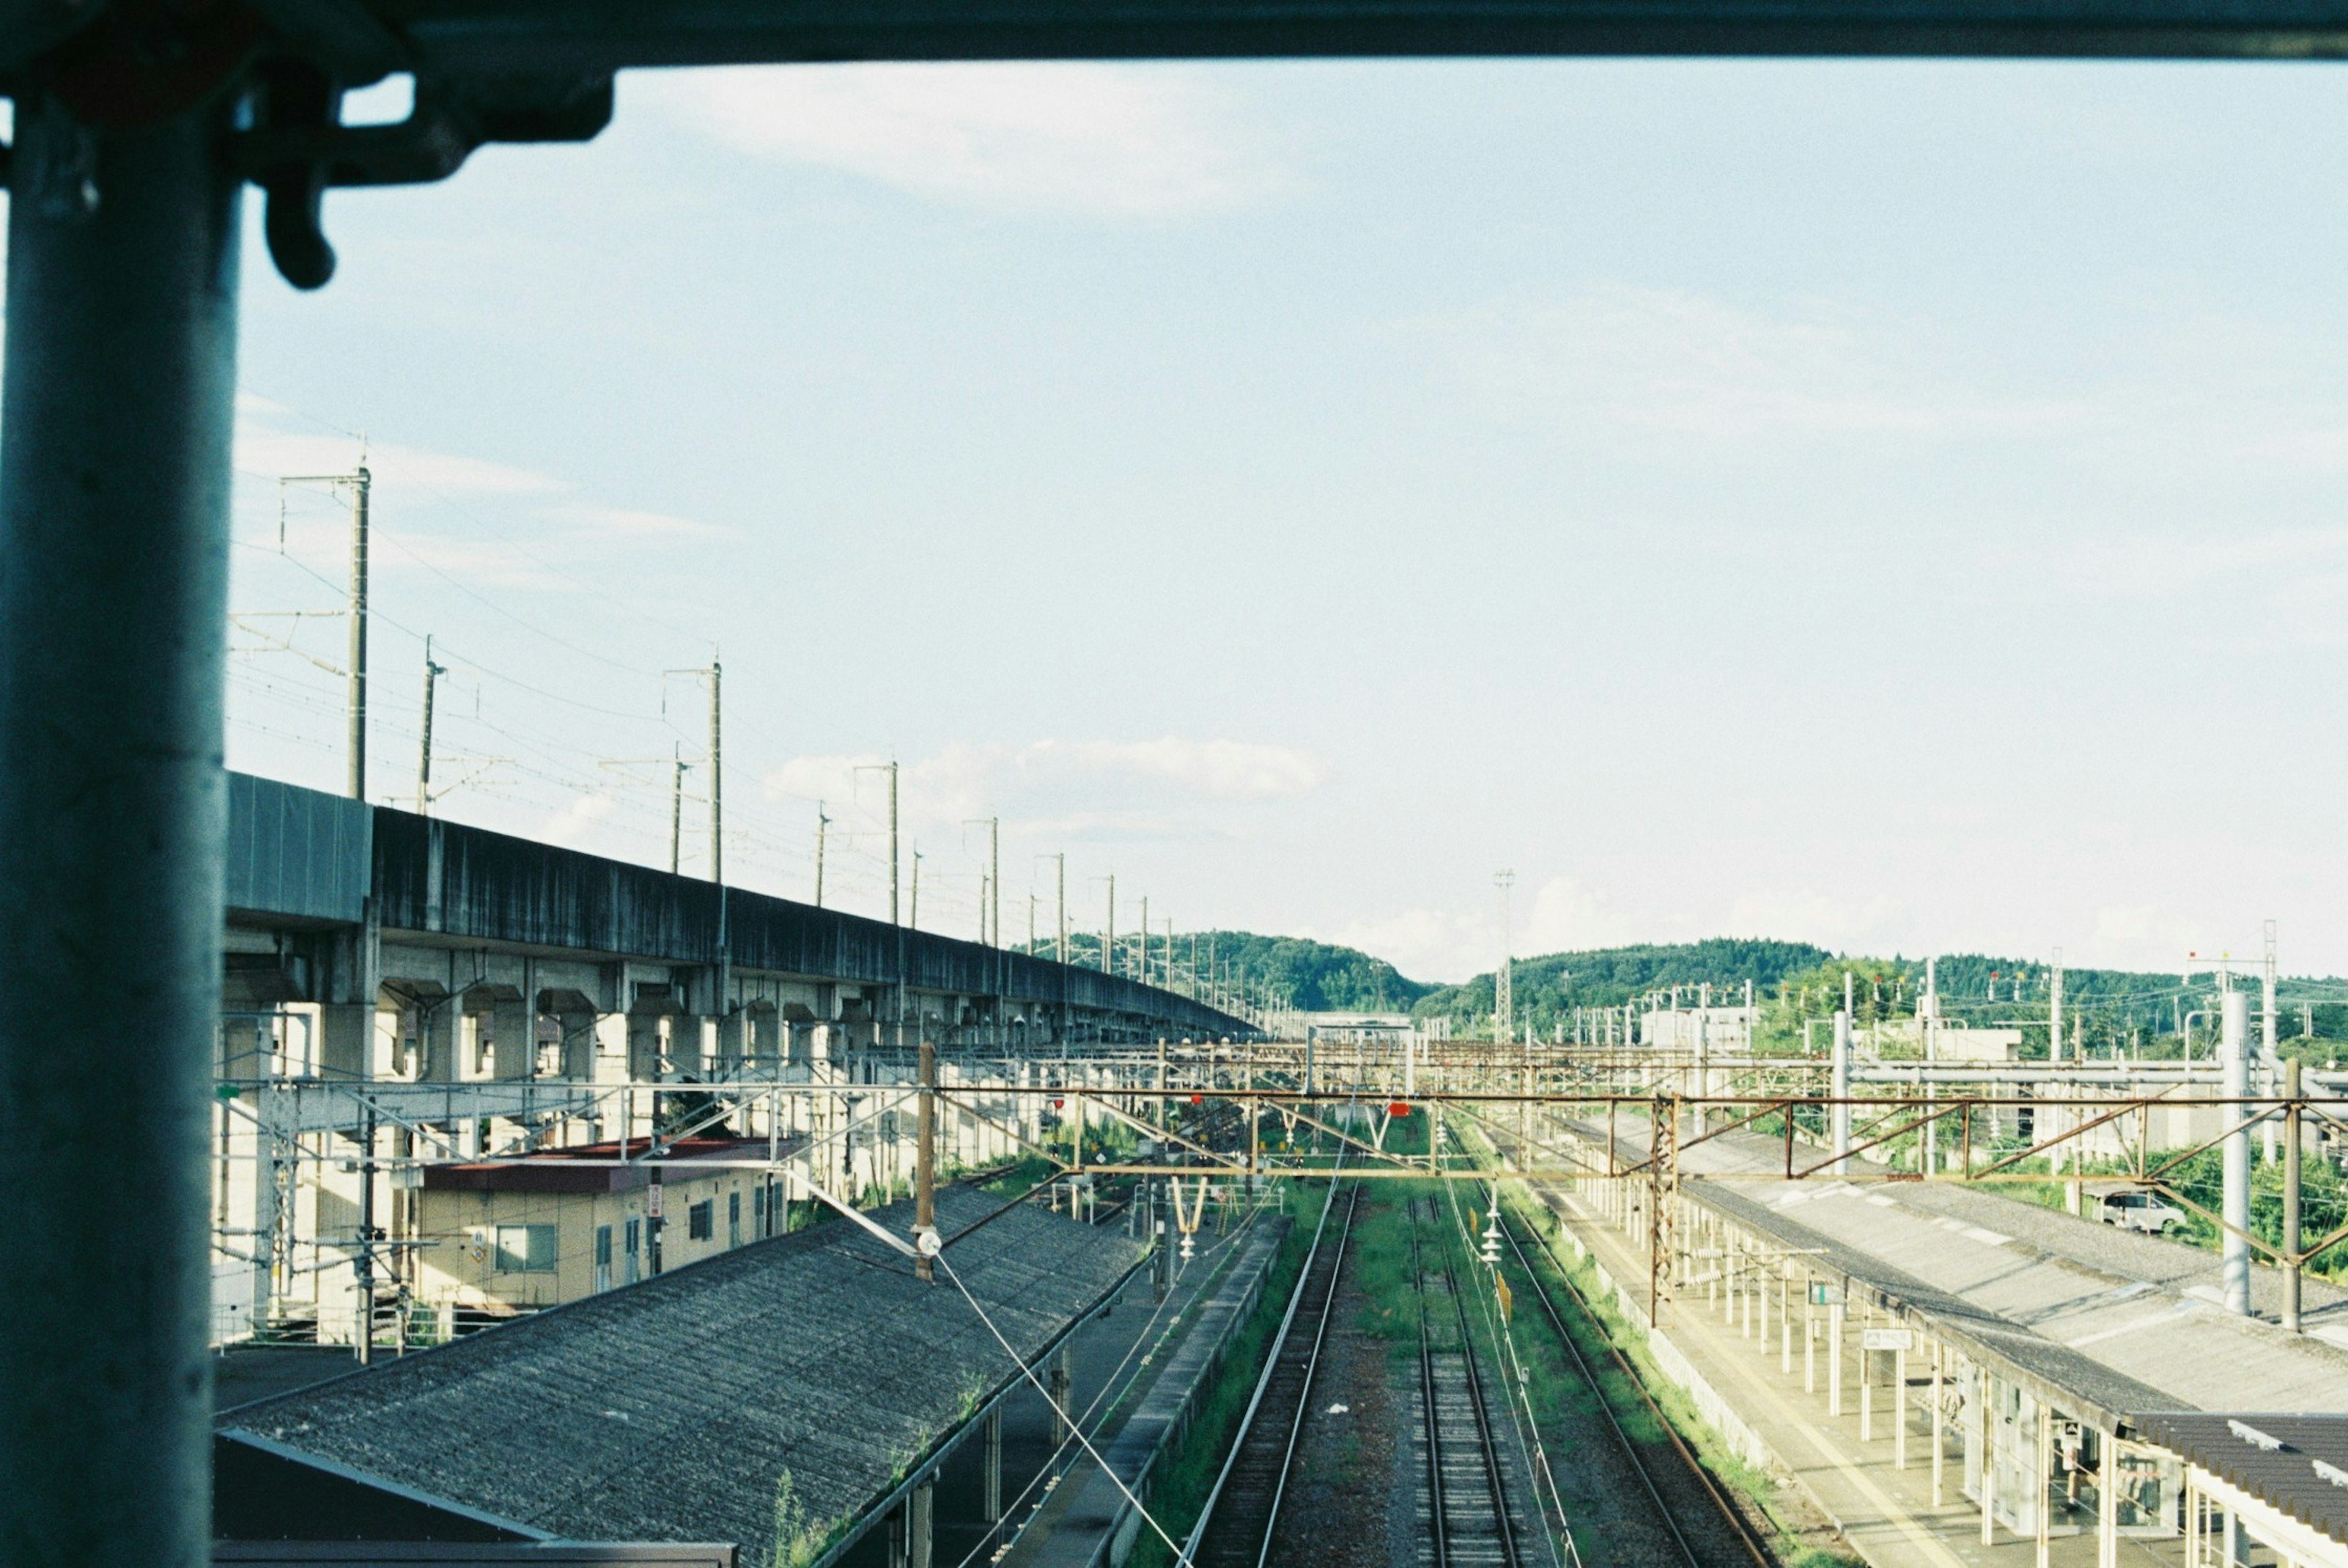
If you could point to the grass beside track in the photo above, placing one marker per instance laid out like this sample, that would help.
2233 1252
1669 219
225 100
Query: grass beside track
1597 1321
1187 1474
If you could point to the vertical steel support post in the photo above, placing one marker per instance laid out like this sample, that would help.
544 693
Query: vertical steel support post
120 378
925 1160
2294 1266
2234 1246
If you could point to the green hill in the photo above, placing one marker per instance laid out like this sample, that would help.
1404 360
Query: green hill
1292 971
1548 988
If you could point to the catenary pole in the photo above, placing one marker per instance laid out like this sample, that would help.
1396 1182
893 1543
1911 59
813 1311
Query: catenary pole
357 669
432 673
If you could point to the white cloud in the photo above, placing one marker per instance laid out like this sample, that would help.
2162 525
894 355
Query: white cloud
1805 915
576 819
271 452
1441 946
1106 141
621 523
1670 364
1094 789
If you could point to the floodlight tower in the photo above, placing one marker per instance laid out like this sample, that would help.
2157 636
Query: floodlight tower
1504 1001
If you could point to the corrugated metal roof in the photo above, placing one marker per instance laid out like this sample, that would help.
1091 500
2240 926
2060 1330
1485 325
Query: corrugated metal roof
2296 1463
671 1411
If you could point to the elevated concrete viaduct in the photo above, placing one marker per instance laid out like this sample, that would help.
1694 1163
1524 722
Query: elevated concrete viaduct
505 958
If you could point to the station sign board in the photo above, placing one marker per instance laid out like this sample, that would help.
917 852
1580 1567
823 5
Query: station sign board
1887 1339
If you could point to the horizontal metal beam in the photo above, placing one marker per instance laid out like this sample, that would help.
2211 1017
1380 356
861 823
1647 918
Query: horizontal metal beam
538 36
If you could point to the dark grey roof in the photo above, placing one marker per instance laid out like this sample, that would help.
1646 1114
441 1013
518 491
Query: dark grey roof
2080 1385
2234 1448
671 1411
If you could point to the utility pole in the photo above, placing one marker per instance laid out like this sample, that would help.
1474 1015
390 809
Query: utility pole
1108 932
2234 1247
2054 1010
360 484
1145 938
2291 1263
1062 858
893 840
1504 1001
821 823
1031 923
2267 1041
355 667
676 810
717 772
432 673
925 1166
913 910
717 764
990 894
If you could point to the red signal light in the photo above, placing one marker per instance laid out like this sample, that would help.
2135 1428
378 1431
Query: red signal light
1197 1099
1399 1108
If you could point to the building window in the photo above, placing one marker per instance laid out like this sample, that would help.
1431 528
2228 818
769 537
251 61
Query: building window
733 1219
634 1251
602 1258
526 1249
759 1211
701 1220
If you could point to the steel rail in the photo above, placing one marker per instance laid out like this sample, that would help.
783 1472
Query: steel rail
1503 1526
1736 1522
1198 1542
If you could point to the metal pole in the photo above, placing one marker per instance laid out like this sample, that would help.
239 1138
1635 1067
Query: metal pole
1061 953
821 823
366 1260
2293 1267
893 840
432 673
676 811
717 775
994 876
120 380
1839 1117
925 1160
2234 1010
358 670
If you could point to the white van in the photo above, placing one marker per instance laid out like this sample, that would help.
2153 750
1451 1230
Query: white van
2139 1212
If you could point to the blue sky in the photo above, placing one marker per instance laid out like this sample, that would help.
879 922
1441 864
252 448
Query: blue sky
1898 505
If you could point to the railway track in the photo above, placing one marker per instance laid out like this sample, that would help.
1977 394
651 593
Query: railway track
1683 1485
1468 1522
1235 1527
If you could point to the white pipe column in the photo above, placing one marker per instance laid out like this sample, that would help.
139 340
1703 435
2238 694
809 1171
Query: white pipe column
2234 1014
1840 1114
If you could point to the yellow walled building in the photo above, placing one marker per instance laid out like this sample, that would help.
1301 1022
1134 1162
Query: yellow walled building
519 1235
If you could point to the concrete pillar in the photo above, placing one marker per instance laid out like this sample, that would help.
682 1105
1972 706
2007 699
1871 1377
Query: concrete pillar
921 1514
435 1041
346 1041
1898 1410
1940 1443
1985 1435
990 1504
2040 1513
644 1046
578 1045
2107 1501
514 1036
1834 1359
